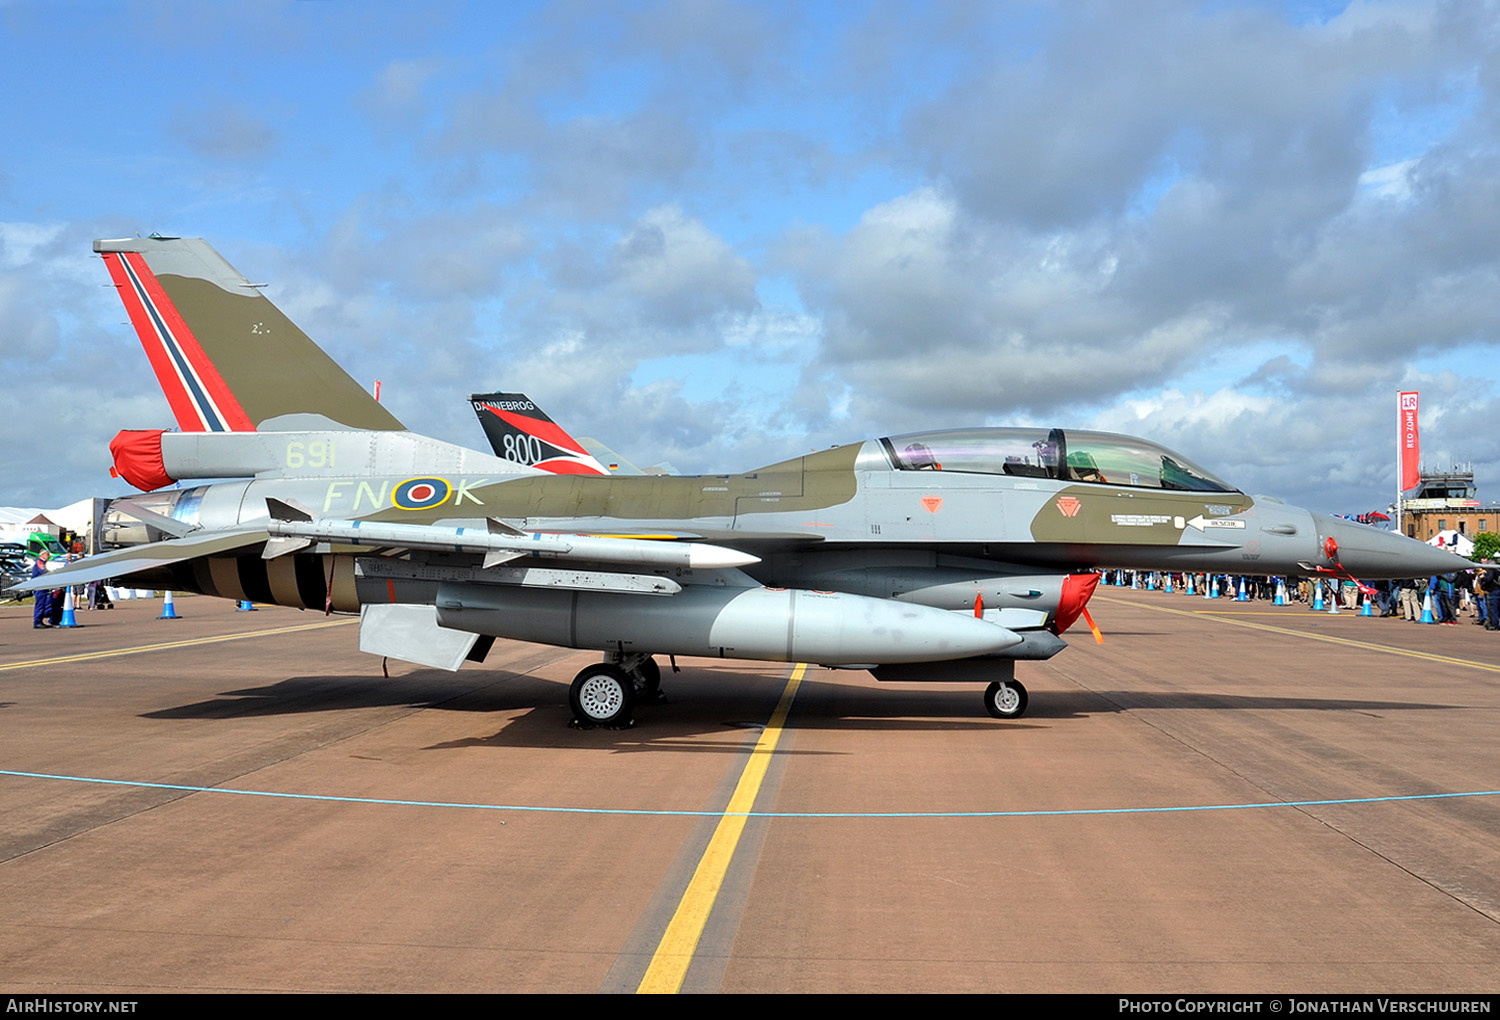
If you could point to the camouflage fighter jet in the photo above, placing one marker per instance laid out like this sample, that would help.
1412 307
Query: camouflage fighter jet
933 556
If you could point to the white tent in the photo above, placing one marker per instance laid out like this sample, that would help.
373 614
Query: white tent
1453 542
19 514
74 516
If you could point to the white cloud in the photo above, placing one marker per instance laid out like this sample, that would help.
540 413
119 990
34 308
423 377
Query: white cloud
1392 181
1217 226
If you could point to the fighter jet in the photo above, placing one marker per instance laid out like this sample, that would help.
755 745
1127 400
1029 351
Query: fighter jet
930 556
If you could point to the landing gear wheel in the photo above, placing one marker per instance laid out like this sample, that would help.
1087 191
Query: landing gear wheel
650 676
602 695
1005 700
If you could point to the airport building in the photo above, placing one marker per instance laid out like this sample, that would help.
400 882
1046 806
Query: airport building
1447 501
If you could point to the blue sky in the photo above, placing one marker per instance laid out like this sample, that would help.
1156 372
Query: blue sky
719 234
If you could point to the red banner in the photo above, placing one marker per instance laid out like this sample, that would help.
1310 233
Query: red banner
1409 452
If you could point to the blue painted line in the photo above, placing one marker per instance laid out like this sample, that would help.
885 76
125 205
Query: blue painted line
749 814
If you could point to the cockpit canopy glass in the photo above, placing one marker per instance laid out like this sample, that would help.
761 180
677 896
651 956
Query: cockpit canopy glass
1071 456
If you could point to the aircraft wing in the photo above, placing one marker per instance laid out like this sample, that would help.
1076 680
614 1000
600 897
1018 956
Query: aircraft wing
133 559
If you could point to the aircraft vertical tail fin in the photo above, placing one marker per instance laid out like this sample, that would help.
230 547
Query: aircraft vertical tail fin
521 431
228 359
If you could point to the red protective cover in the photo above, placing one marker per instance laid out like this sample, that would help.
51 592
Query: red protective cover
1077 589
137 454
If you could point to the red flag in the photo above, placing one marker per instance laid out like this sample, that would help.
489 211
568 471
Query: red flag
1409 454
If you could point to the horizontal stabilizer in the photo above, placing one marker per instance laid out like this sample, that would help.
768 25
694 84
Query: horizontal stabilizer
170 526
136 558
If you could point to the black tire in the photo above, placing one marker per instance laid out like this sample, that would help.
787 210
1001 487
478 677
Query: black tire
1005 701
602 695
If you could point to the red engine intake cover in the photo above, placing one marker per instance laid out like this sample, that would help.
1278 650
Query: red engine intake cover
1077 589
137 454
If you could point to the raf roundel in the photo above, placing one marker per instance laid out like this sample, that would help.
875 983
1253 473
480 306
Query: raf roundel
421 493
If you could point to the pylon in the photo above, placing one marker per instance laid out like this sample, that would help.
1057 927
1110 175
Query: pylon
1365 609
1191 589
1318 596
168 610
1213 588
1166 584
1242 596
1427 616
1280 599
245 606
1151 581
68 619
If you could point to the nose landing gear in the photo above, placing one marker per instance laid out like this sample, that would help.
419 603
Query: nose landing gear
1005 700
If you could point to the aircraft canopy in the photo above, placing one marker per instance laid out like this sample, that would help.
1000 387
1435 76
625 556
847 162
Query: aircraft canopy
1071 456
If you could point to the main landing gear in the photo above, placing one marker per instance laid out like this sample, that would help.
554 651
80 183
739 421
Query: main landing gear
1005 700
605 694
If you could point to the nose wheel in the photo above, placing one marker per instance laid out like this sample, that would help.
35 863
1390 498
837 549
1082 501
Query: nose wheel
1005 700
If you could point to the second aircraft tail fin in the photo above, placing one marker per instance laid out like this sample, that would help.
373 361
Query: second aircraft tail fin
520 431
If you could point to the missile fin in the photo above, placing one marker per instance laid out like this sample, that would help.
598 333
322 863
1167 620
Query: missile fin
280 546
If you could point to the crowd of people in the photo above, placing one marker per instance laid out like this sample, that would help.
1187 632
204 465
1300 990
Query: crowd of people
1442 599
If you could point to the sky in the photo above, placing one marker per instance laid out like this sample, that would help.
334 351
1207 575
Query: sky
719 234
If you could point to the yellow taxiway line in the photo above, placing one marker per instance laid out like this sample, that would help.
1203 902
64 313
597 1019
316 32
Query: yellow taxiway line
109 653
1220 616
674 953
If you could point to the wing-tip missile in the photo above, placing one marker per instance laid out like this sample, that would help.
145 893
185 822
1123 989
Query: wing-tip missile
499 542
702 556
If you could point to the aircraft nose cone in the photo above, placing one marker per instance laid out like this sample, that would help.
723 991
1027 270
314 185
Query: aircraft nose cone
1368 552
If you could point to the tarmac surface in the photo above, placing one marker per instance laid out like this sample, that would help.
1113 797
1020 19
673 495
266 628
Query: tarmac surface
1226 797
